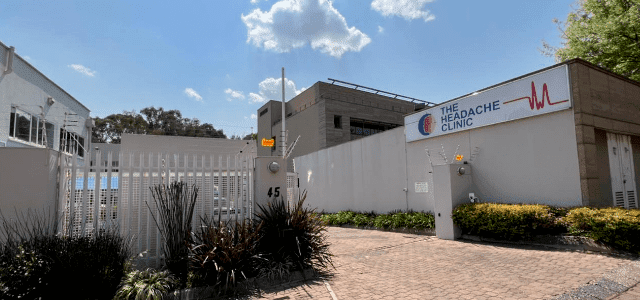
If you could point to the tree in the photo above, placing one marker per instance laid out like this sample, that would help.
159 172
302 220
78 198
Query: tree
603 32
252 136
111 128
151 121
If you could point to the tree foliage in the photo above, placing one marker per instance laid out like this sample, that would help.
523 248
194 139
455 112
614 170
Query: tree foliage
603 32
150 120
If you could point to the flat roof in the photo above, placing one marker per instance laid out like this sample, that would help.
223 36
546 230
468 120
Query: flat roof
47 78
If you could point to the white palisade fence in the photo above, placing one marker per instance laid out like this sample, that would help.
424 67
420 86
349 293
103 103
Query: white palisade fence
123 181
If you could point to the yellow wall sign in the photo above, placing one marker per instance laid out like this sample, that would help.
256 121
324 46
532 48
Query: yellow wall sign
459 157
267 143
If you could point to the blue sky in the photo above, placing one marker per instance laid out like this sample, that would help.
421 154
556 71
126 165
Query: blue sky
218 61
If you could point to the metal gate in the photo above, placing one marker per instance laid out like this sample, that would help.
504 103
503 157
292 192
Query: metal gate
124 199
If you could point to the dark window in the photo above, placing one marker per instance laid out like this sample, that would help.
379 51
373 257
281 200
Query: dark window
273 148
337 121
30 128
23 127
361 128
12 124
264 111
80 146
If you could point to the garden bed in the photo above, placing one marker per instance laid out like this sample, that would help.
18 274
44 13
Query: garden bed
426 231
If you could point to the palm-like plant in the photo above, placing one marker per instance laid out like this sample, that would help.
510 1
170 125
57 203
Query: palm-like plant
175 203
147 284
293 235
221 255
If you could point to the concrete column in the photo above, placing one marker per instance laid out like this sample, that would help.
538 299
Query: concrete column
269 184
451 188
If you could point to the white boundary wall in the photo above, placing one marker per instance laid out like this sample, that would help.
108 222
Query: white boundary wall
362 175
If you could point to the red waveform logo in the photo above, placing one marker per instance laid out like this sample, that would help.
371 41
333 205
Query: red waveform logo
533 100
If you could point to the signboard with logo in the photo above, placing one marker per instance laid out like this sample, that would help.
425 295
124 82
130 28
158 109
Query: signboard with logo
533 95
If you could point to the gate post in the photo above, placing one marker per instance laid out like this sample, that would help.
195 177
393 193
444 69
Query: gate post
270 179
452 184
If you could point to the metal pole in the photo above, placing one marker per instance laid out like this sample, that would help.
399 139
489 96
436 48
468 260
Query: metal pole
284 145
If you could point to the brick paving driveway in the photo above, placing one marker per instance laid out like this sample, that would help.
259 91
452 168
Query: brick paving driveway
387 265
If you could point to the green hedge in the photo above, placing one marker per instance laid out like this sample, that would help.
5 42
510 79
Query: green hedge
617 227
506 221
411 220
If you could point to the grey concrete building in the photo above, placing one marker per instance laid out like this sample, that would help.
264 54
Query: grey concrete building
328 114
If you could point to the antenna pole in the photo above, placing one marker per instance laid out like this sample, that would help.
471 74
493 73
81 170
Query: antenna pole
284 143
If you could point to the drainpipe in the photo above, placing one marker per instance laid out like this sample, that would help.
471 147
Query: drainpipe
9 66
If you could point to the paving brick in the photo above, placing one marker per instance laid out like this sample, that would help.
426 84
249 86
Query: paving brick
388 265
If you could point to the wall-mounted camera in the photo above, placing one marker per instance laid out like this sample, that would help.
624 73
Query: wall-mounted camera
473 198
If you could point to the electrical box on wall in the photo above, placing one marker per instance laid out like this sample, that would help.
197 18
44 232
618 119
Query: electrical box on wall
271 179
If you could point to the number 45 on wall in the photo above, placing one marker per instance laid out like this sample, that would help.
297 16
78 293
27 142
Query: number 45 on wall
274 191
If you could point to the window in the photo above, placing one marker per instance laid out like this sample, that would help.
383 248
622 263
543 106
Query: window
264 111
361 128
337 121
30 128
71 143
273 148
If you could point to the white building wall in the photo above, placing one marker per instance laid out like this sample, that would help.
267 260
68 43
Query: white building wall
532 160
28 89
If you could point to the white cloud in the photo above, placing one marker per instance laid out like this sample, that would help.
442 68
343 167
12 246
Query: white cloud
255 1
254 116
291 24
83 70
380 29
408 9
234 94
27 57
193 94
271 89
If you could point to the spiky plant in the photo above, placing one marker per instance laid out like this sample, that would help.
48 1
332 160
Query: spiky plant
294 234
223 254
147 284
175 203
38 262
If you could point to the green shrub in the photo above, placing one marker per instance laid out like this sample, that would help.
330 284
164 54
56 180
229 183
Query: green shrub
221 255
362 220
36 261
147 284
292 236
505 221
617 227
175 203
412 220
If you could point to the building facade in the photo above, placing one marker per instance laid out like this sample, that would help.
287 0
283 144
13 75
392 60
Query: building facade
35 112
567 135
327 114
40 124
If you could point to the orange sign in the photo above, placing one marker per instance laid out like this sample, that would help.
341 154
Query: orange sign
267 143
459 157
